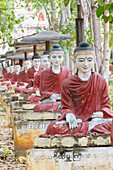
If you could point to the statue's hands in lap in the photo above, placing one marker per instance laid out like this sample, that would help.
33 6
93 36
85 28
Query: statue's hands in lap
54 96
72 121
37 93
97 115
25 84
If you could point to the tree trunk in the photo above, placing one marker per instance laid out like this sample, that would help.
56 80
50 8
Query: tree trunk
97 38
106 56
54 14
85 12
62 19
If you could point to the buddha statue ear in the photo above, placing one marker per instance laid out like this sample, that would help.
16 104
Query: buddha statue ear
75 67
93 69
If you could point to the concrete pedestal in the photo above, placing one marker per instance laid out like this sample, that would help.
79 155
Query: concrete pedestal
26 131
92 158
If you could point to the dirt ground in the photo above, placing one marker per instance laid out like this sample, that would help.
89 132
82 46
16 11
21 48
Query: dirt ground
8 161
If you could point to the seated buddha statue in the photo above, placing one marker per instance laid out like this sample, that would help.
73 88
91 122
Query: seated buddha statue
51 81
85 104
23 80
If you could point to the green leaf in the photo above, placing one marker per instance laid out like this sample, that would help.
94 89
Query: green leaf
66 2
95 2
100 11
111 8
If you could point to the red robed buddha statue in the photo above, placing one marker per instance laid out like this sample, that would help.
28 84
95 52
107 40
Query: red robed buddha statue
36 59
23 80
36 66
8 75
85 104
15 75
51 81
45 64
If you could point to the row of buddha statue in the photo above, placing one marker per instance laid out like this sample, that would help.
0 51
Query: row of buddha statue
81 98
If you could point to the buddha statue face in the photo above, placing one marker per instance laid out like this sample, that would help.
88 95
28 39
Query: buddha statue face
27 64
11 68
17 68
36 63
56 58
45 62
85 63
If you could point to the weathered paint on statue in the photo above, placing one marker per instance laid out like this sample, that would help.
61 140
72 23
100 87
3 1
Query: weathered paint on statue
51 81
85 104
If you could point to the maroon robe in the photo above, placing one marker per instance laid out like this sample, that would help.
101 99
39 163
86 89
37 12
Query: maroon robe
31 72
35 83
14 78
50 83
4 71
83 98
8 76
22 78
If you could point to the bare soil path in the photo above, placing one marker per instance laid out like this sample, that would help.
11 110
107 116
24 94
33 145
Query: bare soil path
8 161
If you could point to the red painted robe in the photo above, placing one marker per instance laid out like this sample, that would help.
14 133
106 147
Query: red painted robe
8 76
14 78
83 98
22 78
34 83
4 71
31 72
50 83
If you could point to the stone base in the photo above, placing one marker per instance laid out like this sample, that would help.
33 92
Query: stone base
17 105
102 140
92 158
21 115
25 132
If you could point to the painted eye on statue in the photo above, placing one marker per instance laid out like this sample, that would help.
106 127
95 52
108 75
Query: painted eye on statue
90 59
59 56
54 56
45 61
81 60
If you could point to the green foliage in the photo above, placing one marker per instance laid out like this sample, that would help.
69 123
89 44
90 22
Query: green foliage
100 14
102 7
8 21
88 33
100 11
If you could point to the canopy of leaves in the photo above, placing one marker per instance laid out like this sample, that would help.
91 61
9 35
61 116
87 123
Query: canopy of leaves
8 21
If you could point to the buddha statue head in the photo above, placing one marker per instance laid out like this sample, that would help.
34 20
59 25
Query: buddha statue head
45 64
36 61
26 64
56 55
17 68
84 58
